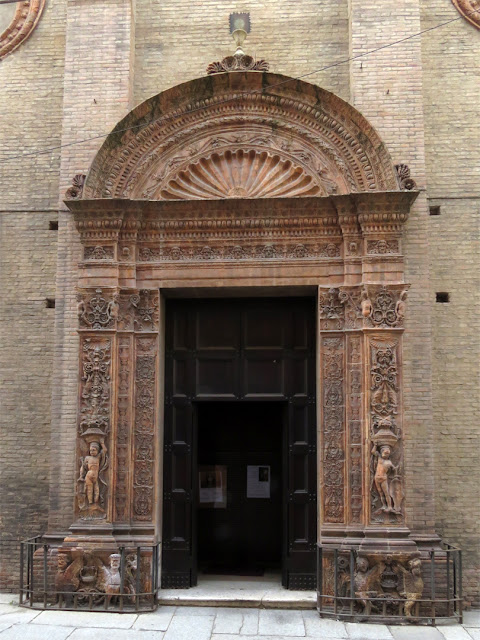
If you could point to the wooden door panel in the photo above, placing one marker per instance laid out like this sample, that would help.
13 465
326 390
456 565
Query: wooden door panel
240 349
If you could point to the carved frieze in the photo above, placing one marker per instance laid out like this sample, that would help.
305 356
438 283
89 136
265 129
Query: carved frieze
239 62
94 426
97 309
98 252
144 427
333 429
239 252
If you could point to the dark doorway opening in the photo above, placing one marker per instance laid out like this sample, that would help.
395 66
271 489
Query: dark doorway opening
240 487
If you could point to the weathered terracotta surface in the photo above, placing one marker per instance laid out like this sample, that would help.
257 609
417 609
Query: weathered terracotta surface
277 187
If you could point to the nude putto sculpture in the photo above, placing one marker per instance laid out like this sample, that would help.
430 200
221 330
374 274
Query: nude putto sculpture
383 470
90 468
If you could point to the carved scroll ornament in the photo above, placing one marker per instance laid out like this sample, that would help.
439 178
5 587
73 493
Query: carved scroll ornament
97 309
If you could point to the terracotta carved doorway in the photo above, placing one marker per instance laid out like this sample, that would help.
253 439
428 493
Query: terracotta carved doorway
248 352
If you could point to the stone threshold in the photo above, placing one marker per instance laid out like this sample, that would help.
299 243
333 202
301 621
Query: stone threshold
235 591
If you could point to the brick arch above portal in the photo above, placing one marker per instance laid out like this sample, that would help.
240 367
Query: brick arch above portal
241 134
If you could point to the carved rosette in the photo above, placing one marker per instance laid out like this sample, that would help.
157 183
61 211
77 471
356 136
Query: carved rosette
333 440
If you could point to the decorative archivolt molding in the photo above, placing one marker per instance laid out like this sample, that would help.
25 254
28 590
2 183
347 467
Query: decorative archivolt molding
470 10
27 15
238 120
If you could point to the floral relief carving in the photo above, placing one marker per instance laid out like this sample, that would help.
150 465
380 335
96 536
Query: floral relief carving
382 247
98 252
355 388
238 252
144 426
384 307
123 426
96 309
139 311
333 429
331 309
405 180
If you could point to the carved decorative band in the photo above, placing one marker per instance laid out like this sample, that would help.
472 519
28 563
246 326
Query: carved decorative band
94 426
386 466
98 252
239 252
124 421
333 406
354 426
144 427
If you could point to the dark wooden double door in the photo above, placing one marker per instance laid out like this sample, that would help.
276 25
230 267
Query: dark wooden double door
234 364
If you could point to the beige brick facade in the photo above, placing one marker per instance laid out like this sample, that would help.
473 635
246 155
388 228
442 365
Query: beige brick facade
87 65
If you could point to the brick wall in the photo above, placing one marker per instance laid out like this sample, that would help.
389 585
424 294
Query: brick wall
30 114
452 135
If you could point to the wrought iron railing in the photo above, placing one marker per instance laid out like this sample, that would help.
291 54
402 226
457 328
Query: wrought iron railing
365 587
121 580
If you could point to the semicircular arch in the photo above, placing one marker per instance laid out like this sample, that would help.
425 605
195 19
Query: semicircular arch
241 134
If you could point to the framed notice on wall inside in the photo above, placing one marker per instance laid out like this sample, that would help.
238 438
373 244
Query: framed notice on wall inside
212 487
258 481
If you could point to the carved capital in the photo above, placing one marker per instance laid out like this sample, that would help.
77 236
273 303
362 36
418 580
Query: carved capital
97 309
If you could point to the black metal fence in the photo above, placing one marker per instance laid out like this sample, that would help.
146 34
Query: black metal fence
121 580
342 595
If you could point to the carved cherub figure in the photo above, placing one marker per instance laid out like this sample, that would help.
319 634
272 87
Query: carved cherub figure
400 306
384 467
366 304
81 308
113 307
90 467
412 584
367 582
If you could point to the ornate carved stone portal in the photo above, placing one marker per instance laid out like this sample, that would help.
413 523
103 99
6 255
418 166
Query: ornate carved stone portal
243 179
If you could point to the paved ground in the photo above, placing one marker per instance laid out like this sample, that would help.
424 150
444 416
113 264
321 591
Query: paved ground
208 623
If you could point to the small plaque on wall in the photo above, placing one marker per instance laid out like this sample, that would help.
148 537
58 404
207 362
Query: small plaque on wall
212 487
258 481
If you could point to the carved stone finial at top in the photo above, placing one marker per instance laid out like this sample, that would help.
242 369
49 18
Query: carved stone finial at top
239 28
75 191
238 62
405 181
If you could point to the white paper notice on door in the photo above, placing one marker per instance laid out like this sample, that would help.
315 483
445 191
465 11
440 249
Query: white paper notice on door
258 481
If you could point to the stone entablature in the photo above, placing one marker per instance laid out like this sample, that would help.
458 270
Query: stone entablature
340 239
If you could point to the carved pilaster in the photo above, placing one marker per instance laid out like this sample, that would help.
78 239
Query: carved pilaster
94 426
124 424
385 429
355 391
332 357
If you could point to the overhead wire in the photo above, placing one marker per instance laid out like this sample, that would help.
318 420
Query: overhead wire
241 93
